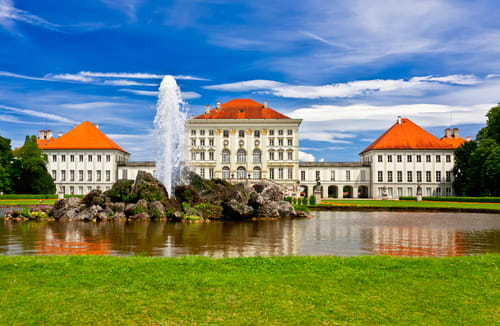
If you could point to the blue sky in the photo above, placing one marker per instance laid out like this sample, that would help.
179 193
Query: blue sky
348 68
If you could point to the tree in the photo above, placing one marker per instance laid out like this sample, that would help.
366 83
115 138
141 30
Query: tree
6 183
30 170
492 129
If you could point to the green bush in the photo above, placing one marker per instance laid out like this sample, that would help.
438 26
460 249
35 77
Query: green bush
304 201
457 199
28 196
26 212
301 208
294 200
312 200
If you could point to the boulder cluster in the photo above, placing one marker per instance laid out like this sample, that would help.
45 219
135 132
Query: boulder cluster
197 200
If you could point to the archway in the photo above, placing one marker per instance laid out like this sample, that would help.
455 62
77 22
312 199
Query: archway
241 173
347 191
333 192
256 172
304 191
226 173
363 192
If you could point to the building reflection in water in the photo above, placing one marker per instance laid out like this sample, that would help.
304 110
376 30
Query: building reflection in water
329 233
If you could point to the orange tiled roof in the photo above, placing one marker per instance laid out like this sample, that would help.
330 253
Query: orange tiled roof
83 136
242 109
455 142
43 142
407 135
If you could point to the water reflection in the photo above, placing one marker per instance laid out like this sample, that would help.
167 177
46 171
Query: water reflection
329 233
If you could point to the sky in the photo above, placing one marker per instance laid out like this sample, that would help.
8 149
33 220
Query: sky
347 68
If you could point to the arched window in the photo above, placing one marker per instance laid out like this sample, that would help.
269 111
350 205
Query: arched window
225 156
256 156
256 173
226 173
241 156
241 173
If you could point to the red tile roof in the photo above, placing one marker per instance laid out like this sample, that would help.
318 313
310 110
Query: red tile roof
83 136
407 135
42 142
242 109
455 142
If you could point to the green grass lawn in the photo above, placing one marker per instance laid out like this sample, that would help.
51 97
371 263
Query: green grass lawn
408 203
29 202
90 290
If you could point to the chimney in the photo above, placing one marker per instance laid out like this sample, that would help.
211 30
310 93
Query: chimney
97 126
218 105
49 134
447 133
59 134
207 108
468 138
455 133
42 134
399 120
265 104
190 116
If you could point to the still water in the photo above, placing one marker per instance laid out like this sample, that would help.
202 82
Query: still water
328 233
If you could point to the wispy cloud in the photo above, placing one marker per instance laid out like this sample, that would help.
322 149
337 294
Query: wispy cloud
140 92
306 157
344 90
10 14
90 105
38 114
136 75
9 74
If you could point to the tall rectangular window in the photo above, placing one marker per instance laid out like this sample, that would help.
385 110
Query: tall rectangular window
389 159
280 173
89 175
108 175
63 175
400 176
290 141
428 158
211 173
332 175
80 158
63 158
80 175
380 176
400 158
72 158
438 176
124 174
271 173
380 158
389 176
98 175
54 158
409 192
211 132
225 133
108 158
271 132
271 156
241 133
271 142
448 158
280 142
54 174
202 142
419 158
409 176
302 175
71 175
202 156
280 156
363 175
348 175
419 176
211 142
290 174
211 156
90 158
202 172
99 157
290 132
202 132
256 133
290 156
438 160
408 158
448 176
428 176
318 177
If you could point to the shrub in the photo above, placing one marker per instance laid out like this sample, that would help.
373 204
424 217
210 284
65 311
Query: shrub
312 200
27 196
25 212
304 201
301 208
294 200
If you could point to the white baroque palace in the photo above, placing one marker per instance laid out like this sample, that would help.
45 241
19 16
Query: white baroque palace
246 140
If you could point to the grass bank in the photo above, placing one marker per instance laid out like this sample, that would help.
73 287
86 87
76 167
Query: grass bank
409 204
92 290
27 202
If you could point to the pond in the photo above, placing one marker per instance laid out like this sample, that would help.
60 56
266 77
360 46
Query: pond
342 233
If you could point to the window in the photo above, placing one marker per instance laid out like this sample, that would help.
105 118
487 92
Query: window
241 156
408 158
80 175
380 175
290 142
211 173
303 175
256 156
98 175
290 156
363 175
63 158
256 134
400 192
89 175
256 173
89 189
389 158
400 158
290 174
429 192
448 158
225 133
202 173
72 189
72 158
99 158
80 190
348 175
448 191
280 132
202 156
211 142
108 175
202 132
71 175
428 176
280 173
271 142
400 176
409 192
428 158
225 156
211 132
438 160
409 176
271 156
389 176
280 156
318 175
419 176
90 158
438 192
54 175
280 142
419 158
108 158
271 173
332 175
54 158
193 142
124 174
193 132
202 142
241 133
380 158
271 132
438 176
63 175
290 132
211 156
193 156
448 176
225 173
80 158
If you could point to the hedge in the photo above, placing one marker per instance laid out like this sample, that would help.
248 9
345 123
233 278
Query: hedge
37 196
457 199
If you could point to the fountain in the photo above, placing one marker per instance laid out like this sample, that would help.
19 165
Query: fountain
169 133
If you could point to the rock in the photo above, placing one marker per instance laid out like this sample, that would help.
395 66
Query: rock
148 188
66 209
94 197
156 210
285 209
109 211
236 210
119 216
141 206
102 216
129 209
119 207
269 209
187 194
140 216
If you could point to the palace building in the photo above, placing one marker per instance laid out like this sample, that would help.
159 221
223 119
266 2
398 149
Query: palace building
246 140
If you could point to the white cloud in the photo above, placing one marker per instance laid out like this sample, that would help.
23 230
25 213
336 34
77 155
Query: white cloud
126 82
136 75
326 136
321 159
9 14
9 74
89 105
344 90
49 116
140 92
69 77
190 95
306 157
